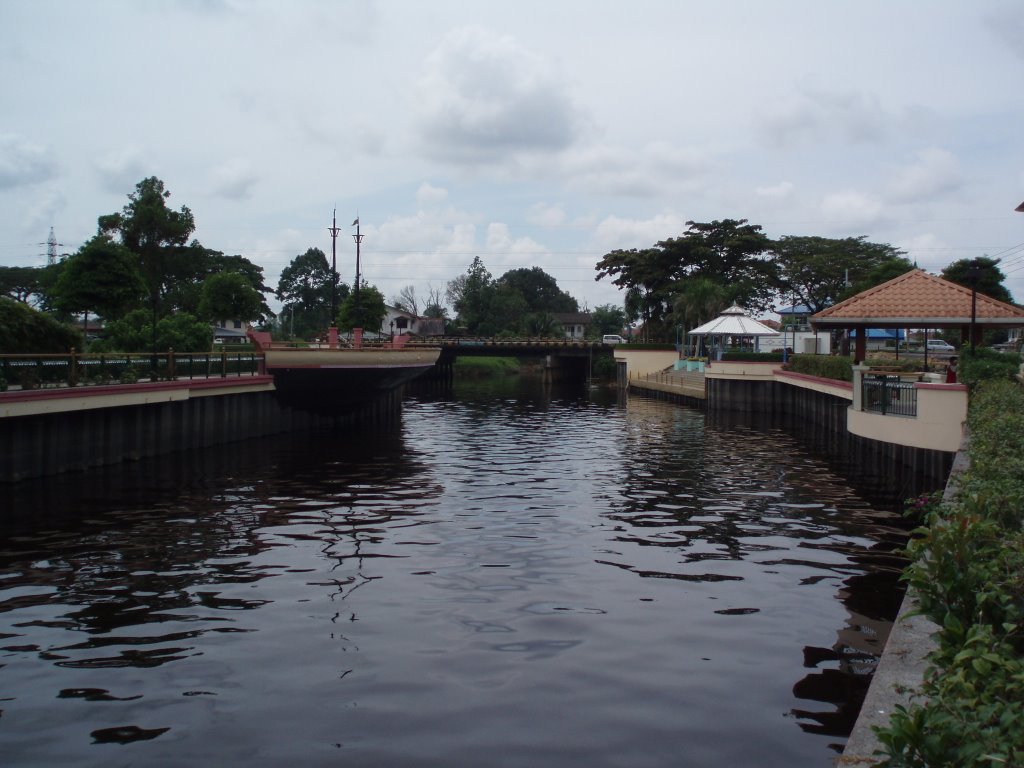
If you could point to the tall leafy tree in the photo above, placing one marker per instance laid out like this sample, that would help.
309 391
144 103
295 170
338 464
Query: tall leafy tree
304 290
21 284
820 271
366 312
155 234
983 273
539 290
700 300
606 319
229 295
470 295
102 277
730 252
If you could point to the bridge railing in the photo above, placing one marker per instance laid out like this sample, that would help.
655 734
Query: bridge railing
82 369
490 341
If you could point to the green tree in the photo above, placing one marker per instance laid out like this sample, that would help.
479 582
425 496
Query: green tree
820 271
156 234
470 295
730 252
700 300
195 264
539 290
982 272
229 295
101 277
606 319
367 311
21 284
28 331
181 332
304 290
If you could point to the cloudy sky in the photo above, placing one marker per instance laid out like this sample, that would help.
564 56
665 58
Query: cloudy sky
528 133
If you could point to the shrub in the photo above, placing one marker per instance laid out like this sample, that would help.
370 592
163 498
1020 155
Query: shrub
983 364
968 574
826 366
26 331
763 357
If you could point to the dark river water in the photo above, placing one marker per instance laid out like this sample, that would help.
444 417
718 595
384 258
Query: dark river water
508 576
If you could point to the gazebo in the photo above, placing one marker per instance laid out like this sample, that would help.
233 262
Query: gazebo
731 323
918 300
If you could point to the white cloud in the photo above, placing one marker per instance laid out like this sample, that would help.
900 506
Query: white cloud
487 99
852 208
43 211
23 162
120 170
617 232
817 114
429 196
646 172
780 191
544 215
934 173
234 179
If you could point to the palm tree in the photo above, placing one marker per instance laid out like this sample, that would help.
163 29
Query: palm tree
699 300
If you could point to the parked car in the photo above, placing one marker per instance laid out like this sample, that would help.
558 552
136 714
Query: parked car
939 345
612 338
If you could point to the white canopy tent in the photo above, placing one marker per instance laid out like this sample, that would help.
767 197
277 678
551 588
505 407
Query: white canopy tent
733 323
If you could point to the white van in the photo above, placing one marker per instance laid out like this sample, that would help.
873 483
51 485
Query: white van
612 338
939 345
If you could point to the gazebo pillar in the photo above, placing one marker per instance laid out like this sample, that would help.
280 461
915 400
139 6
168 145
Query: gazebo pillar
860 337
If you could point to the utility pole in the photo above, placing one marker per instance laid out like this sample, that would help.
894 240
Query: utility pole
333 229
358 307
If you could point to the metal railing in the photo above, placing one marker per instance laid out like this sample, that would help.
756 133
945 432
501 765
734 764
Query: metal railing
889 395
76 369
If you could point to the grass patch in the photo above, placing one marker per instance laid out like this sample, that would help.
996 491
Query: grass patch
487 367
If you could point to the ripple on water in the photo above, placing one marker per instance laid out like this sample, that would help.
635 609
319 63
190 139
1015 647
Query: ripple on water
546 581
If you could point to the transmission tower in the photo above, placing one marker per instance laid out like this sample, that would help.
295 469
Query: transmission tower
51 248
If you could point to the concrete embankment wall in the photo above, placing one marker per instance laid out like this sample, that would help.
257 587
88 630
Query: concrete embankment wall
51 442
884 470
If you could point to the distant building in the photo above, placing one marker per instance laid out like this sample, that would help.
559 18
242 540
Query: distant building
230 332
398 321
575 324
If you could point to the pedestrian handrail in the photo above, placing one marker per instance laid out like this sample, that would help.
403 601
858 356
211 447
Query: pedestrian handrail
77 369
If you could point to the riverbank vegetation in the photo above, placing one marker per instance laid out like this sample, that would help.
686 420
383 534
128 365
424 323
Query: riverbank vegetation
487 367
968 574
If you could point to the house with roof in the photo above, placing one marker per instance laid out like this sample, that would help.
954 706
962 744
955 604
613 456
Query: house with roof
398 321
574 324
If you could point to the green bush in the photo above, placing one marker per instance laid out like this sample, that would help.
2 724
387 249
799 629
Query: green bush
758 357
983 364
968 574
26 331
482 367
835 367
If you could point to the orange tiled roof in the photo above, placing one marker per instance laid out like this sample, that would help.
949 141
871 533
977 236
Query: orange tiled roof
918 299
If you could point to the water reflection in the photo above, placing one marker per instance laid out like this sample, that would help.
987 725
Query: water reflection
547 580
